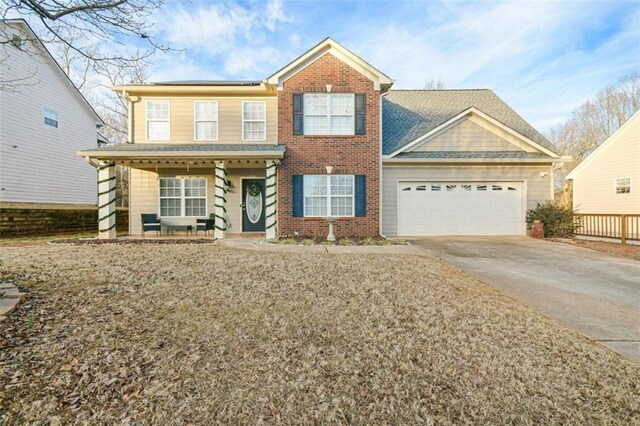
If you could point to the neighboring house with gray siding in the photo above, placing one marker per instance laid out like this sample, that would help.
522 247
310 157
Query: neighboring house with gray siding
44 120
607 181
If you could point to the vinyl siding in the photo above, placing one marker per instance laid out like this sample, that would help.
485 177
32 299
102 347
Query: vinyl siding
144 197
473 133
538 187
38 163
594 185
182 118
467 136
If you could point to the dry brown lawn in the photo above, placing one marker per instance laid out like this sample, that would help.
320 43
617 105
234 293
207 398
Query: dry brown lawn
632 251
200 334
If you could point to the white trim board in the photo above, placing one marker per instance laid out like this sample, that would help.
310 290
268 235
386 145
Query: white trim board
603 146
328 45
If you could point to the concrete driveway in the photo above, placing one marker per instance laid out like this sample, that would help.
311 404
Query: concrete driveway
595 293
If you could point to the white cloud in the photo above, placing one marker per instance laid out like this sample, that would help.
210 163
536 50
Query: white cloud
531 53
234 37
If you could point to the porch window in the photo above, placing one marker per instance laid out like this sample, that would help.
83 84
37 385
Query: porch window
206 120
183 197
158 127
328 195
254 120
328 114
623 185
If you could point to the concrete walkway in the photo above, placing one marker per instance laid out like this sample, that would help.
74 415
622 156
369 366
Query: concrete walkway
10 297
260 245
595 293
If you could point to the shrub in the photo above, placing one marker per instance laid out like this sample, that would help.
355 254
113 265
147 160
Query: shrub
558 220
287 241
308 242
347 242
368 241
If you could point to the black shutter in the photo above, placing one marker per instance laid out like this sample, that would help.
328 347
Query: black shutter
298 114
360 114
298 196
361 196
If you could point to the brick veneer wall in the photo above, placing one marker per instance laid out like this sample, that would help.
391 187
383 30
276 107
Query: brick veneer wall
357 155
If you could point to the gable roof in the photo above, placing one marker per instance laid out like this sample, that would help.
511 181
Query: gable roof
409 114
603 146
380 80
54 64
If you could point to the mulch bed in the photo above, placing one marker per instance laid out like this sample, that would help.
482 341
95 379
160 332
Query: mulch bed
161 334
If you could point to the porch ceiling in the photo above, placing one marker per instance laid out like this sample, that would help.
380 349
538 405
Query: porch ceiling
183 153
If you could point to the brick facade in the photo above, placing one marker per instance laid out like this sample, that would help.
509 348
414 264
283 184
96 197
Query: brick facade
354 155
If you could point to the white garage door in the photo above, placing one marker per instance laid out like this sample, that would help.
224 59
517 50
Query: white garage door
460 208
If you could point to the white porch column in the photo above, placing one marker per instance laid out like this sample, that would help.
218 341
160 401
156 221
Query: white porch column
271 201
220 200
106 200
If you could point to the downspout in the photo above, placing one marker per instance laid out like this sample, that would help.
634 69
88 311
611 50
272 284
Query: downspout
90 162
380 181
129 116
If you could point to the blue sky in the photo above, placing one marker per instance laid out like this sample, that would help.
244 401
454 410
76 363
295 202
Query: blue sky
543 57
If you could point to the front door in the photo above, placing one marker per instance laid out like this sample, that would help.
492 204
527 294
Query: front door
253 205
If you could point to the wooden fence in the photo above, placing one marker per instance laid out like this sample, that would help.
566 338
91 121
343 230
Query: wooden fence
20 222
620 226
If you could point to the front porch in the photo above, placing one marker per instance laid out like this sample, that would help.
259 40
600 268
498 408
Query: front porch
190 190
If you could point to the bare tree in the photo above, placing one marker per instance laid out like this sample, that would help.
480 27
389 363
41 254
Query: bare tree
433 84
592 123
116 24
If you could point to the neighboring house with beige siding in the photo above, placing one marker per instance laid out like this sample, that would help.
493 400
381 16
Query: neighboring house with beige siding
44 120
325 136
608 180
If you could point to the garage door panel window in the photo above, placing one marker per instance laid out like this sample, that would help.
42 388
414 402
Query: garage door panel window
328 195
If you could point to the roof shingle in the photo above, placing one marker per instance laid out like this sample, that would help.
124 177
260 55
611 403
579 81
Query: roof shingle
409 114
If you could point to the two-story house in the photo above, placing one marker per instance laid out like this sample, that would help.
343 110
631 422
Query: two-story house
325 137
44 121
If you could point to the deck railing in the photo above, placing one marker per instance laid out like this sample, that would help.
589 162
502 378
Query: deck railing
620 226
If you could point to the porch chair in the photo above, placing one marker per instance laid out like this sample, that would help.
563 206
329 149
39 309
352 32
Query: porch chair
150 222
205 225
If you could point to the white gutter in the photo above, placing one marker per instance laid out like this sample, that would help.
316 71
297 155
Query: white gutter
151 155
468 160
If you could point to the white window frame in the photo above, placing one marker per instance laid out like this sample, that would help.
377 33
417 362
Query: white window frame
616 186
329 114
49 115
196 121
146 119
183 197
328 196
264 119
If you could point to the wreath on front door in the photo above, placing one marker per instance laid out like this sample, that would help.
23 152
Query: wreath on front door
254 189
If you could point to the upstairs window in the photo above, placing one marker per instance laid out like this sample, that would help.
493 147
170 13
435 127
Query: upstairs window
254 121
50 118
206 120
623 186
158 128
329 114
